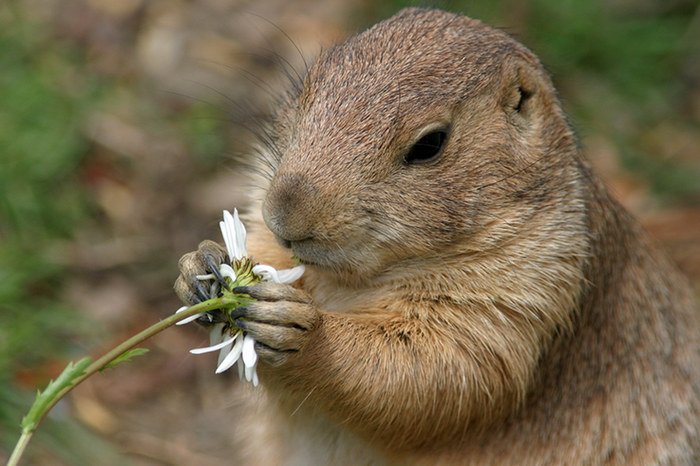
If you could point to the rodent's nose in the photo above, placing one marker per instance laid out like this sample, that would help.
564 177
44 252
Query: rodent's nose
291 208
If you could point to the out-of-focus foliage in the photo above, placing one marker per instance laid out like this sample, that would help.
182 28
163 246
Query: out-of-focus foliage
43 97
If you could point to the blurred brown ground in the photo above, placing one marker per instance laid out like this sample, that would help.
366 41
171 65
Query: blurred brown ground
157 200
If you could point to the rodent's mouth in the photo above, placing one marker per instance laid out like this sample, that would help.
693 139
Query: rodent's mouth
303 249
285 243
306 252
312 252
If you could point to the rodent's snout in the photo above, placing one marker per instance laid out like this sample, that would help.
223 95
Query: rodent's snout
291 208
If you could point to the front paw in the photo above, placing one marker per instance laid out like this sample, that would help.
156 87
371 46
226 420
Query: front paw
200 278
280 321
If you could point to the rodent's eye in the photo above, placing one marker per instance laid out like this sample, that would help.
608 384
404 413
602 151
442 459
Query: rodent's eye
427 147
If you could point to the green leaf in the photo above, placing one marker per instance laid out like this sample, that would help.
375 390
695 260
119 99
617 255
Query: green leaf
43 399
125 356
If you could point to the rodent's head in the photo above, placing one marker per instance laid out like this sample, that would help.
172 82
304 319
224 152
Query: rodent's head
428 132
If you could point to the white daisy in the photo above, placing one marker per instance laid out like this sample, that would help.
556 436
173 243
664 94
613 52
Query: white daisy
238 347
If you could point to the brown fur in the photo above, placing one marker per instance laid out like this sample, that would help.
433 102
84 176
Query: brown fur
494 305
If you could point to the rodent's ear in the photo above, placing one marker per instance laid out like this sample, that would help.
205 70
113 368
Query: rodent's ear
519 90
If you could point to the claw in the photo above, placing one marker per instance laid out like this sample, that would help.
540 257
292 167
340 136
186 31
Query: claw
214 267
201 292
241 290
239 312
268 291
193 298
241 324
212 317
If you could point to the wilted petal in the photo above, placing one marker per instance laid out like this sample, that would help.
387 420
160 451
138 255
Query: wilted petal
267 272
227 271
285 276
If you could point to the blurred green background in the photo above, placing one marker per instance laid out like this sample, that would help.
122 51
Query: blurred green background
119 127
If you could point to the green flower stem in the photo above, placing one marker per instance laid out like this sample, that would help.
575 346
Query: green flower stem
75 373
20 447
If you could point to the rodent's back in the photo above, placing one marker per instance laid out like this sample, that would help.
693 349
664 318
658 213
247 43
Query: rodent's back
485 299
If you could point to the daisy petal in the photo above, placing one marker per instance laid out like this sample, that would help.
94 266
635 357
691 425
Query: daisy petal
288 276
223 354
209 349
227 232
249 356
216 335
231 357
241 370
234 234
268 273
249 371
285 276
189 319
240 235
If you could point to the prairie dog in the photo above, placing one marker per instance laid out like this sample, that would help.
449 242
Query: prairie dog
473 294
